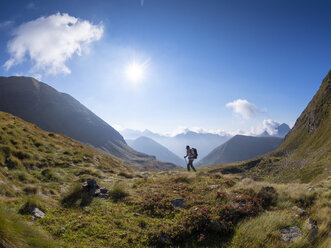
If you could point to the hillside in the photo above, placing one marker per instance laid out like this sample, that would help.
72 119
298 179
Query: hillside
53 111
151 147
240 148
305 153
142 209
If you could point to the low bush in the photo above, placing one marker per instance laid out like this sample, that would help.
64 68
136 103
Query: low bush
306 200
30 204
155 205
118 192
182 179
76 197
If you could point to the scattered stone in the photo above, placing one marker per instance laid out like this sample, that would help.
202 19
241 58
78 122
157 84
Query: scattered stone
310 189
71 165
104 191
175 191
290 233
300 211
84 157
213 186
136 215
178 203
240 178
312 227
37 213
215 226
92 188
63 229
33 167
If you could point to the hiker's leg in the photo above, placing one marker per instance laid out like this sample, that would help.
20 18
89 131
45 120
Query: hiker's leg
193 166
188 166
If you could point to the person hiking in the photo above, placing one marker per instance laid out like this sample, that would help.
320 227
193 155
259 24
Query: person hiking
191 154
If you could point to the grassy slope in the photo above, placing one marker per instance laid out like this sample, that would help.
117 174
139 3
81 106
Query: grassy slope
34 168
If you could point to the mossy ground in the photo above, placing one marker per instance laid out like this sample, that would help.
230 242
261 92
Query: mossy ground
42 169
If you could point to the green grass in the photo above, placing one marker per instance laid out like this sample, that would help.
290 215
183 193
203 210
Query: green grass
16 233
139 212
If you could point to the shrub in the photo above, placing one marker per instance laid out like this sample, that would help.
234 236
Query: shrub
30 204
306 200
124 174
155 205
29 190
118 192
49 175
76 197
268 197
13 163
182 179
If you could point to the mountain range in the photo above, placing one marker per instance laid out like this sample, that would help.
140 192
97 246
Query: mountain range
151 147
240 148
53 111
204 142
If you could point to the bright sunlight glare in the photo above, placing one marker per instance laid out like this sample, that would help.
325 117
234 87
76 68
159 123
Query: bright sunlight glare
135 72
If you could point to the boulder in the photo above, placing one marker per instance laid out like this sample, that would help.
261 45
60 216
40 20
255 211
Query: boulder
178 203
300 211
91 187
290 233
37 213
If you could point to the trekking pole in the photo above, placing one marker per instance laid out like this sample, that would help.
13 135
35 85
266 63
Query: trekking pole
185 161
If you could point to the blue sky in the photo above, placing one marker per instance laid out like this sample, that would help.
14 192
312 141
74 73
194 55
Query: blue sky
214 65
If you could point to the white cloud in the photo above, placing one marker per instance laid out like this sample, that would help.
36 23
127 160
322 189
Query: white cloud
244 108
267 125
50 41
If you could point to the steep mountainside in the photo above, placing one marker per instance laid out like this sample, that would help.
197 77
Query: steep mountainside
53 111
151 147
240 148
305 153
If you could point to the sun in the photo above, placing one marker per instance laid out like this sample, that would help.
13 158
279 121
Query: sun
135 72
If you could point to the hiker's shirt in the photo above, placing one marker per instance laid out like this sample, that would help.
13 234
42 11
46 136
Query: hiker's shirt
190 154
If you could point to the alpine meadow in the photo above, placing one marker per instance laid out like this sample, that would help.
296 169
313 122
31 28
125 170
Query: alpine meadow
140 123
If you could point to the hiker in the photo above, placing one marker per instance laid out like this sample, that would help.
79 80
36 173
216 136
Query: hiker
191 154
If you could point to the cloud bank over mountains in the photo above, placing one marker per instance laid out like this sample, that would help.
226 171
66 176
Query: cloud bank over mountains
48 42
244 108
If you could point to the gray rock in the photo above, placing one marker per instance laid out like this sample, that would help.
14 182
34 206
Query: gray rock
105 196
136 215
63 229
310 189
300 211
104 190
178 203
312 227
36 212
213 186
91 187
290 233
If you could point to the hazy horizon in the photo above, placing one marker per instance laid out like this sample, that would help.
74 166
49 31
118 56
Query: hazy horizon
166 66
